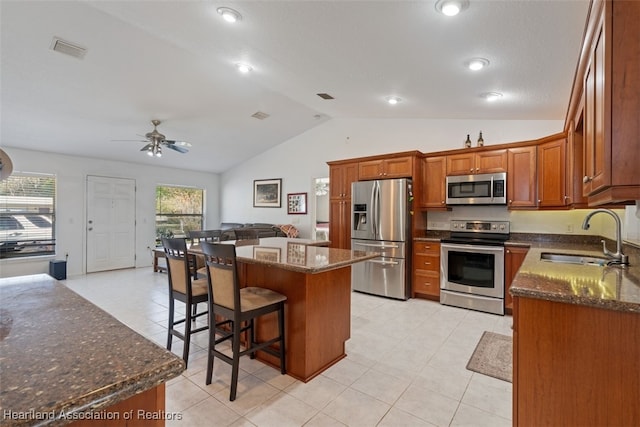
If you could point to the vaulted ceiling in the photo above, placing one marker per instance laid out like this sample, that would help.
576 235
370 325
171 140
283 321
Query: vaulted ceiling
175 61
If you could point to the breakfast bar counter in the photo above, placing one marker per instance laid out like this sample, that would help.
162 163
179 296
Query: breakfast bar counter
317 283
63 360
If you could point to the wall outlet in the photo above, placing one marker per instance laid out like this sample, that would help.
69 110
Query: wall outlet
569 228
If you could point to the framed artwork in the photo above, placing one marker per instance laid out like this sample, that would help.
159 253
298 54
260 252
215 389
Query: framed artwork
297 203
266 193
296 253
266 254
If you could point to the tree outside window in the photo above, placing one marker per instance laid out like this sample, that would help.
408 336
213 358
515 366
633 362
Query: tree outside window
178 211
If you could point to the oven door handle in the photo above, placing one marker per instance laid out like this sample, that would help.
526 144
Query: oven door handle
472 248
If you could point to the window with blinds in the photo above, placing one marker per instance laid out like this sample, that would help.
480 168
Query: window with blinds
27 215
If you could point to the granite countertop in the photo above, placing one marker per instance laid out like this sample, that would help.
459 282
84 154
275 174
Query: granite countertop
300 255
609 287
61 355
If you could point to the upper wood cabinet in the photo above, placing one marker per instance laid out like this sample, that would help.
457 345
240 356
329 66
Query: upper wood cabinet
521 178
479 162
551 173
341 176
393 167
434 171
608 82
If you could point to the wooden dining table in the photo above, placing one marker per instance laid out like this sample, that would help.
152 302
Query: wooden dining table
317 283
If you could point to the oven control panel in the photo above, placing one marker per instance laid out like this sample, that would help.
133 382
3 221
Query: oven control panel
477 226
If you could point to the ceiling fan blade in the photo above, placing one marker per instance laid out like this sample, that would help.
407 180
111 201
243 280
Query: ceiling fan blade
176 147
178 143
129 140
147 147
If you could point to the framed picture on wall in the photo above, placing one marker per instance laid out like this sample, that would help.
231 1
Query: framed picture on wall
297 203
266 193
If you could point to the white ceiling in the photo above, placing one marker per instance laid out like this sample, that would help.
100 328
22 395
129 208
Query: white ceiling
174 61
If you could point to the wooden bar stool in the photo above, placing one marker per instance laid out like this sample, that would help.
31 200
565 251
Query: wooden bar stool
184 288
239 307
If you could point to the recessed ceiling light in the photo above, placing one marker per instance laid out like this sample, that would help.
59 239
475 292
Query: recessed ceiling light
491 96
229 15
451 7
393 100
476 64
244 68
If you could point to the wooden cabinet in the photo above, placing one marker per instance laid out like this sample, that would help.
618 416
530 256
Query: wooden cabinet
393 167
492 161
611 91
551 173
341 176
426 270
521 178
513 259
574 365
434 171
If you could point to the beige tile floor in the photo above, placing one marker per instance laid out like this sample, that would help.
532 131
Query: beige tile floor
405 365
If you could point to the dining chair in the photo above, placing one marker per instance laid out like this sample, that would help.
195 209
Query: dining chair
184 288
238 308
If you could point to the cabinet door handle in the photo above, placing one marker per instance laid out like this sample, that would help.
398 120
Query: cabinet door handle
586 179
427 263
442 202
477 169
510 202
471 170
539 201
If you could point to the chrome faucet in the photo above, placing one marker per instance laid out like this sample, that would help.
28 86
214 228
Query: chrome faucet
618 255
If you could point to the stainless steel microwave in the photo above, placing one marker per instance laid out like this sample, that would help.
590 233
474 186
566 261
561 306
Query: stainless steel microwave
480 189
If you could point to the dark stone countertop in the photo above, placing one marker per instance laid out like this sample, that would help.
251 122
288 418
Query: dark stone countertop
61 355
608 287
300 255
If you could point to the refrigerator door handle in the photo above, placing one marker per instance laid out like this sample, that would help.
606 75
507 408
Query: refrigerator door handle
375 261
377 245
375 207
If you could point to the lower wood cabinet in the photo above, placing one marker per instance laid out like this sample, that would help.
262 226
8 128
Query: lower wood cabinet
513 259
426 270
574 365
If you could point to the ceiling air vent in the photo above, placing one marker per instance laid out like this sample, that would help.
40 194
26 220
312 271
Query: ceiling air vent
67 48
325 96
260 115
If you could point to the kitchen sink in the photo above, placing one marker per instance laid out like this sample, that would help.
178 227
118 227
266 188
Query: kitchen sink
573 259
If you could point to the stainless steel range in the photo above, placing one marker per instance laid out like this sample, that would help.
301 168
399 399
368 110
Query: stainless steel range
472 265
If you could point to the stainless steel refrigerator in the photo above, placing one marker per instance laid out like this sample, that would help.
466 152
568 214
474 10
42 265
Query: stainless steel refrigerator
381 222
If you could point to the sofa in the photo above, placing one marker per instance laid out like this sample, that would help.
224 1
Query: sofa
264 230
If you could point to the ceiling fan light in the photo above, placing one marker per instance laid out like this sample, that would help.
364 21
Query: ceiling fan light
150 152
229 15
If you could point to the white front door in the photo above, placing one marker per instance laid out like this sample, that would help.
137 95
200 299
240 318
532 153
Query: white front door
111 223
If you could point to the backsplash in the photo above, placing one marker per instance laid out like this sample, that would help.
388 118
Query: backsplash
544 222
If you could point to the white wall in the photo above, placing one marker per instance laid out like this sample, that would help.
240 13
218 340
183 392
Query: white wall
71 173
299 159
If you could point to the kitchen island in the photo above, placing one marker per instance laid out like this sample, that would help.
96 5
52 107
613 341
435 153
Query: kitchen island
63 360
317 283
576 338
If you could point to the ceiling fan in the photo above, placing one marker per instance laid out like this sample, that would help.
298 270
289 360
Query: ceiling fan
156 141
